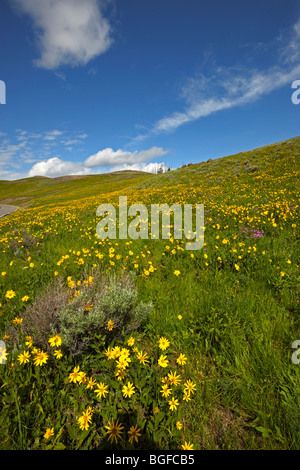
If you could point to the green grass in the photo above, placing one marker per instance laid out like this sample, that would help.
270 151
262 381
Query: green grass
41 190
233 310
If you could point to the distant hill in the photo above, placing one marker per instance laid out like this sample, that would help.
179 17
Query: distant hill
38 190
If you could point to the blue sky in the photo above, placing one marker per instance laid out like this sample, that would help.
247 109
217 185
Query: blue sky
101 85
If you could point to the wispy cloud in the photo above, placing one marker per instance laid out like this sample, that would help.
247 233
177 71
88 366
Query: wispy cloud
238 90
229 87
52 135
27 148
69 32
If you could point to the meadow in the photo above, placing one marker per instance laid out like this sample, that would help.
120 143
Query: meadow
142 344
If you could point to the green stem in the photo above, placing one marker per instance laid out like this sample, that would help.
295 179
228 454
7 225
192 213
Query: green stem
19 418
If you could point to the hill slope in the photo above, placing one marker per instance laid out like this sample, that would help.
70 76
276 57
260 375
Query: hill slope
39 190
229 310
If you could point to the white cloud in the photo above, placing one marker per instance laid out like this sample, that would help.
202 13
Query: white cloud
109 157
9 151
69 32
229 87
238 90
108 160
290 51
52 135
9 175
42 149
56 167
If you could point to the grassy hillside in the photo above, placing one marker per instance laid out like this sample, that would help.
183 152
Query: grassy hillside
205 337
40 190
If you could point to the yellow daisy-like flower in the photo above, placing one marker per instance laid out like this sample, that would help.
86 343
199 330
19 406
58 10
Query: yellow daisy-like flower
114 430
177 272
128 390
40 358
123 362
173 378
186 396
189 386
163 361
23 357
120 374
18 321
10 294
179 425
85 419
25 298
125 353
142 357
165 390
187 446
130 342
101 390
57 353
110 325
28 343
75 376
109 353
3 353
82 378
165 380
134 434
181 360
116 352
55 341
49 432
91 383
164 343
173 403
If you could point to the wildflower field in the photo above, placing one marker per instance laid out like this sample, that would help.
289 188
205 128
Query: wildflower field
142 344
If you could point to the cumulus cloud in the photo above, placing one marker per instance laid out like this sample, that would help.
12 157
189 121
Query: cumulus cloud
54 167
109 157
69 32
106 160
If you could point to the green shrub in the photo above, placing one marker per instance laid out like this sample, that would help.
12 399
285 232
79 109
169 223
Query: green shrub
111 310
